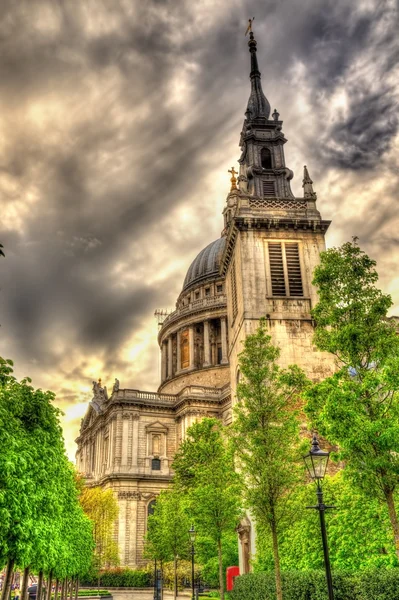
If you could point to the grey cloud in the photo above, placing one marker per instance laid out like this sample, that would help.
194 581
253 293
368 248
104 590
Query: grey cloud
117 156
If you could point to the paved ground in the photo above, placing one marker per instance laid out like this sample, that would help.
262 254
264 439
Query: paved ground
145 594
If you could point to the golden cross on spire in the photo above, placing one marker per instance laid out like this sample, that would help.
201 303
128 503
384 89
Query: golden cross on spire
233 178
249 28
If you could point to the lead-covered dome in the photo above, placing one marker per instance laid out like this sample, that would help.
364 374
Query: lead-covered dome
206 264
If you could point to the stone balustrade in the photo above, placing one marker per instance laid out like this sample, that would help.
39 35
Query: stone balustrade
196 305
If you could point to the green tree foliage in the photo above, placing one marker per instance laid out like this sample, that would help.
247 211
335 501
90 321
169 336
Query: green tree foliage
102 509
359 532
204 468
38 496
167 534
358 407
265 434
206 557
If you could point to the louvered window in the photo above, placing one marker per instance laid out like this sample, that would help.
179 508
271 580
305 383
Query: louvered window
277 269
293 269
234 290
268 188
285 269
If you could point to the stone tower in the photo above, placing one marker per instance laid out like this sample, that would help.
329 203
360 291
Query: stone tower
273 242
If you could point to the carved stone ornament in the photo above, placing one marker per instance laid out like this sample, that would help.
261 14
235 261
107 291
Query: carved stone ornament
126 415
129 495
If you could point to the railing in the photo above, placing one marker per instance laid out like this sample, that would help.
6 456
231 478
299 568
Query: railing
200 304
131 394
192 390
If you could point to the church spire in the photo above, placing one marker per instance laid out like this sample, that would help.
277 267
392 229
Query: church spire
258 106
307 185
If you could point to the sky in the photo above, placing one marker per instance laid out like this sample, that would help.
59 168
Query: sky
119 120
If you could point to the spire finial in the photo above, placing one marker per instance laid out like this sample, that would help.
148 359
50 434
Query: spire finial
233 179
307 185
258 106
249 28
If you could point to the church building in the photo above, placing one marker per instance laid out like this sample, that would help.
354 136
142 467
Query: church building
261 266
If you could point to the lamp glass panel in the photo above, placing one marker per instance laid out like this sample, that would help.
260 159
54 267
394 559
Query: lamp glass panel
319 465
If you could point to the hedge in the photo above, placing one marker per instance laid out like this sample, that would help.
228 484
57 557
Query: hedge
311 585
119 578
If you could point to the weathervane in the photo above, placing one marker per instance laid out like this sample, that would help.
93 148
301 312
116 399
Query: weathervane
249 28
233 178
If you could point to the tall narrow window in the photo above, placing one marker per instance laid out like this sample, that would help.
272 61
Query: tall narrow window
277 269
185 350
285 269
293 269
234 289
266 158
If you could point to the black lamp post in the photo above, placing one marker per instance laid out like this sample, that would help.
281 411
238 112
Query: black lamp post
192 533
316 463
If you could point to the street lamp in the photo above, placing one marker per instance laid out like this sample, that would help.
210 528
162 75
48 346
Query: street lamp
192 533
316 463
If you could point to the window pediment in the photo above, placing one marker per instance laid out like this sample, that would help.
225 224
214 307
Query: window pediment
156 427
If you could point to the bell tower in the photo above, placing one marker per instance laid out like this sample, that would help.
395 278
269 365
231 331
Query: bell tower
273 242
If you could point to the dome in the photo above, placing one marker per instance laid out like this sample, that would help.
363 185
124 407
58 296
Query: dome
206 264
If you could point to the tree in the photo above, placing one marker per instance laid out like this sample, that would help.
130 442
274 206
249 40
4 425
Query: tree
359 532
102 509
265 434
358 407
38 496
167 535
204 467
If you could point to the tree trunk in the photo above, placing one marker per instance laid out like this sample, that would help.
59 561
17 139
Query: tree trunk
277 572
25 580
49 584
57 584
393 517
221 574
62 590
76 587
71 590
174 577
39 586
5 593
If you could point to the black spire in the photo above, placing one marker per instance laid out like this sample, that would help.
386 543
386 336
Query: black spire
258 106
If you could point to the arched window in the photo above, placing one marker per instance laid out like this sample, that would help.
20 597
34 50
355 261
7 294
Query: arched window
151 507
266 158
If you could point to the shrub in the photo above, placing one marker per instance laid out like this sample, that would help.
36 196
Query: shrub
119 577
382 584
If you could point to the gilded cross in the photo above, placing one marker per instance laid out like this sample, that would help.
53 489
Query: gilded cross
233 178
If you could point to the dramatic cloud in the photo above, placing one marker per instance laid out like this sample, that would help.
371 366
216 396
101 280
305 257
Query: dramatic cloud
118 122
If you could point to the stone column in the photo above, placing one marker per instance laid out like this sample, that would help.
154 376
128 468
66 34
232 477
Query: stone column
178 362
163 362
112 442
207 345
99 450
170 358
118 440
223 334
125 437
135 440
191 345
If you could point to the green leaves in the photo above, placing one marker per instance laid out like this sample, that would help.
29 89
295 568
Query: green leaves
205 472
357 409
42 522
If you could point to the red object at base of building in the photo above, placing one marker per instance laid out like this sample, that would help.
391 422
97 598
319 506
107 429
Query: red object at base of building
231 574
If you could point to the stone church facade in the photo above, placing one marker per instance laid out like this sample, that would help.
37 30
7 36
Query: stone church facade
261 266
